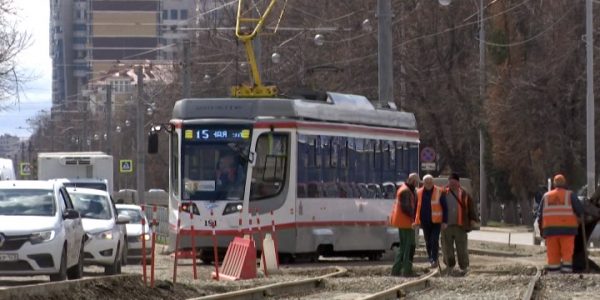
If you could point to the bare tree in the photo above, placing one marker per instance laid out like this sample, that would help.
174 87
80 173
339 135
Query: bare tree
12 42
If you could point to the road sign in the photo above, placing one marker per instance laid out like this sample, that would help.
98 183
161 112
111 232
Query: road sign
427 154
25 169
125 165
428 166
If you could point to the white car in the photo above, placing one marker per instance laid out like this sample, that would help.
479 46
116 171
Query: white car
134 231
105 245
40 231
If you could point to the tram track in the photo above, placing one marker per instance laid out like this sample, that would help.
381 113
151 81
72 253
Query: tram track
317 288
529 293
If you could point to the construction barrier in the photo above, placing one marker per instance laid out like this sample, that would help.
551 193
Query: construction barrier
143 236
260 238
215 251
239 261
178 253
195 271
270 257
153 226
178 229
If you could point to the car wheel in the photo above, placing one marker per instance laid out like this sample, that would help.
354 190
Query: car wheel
124 254
62 272
76 271
115 268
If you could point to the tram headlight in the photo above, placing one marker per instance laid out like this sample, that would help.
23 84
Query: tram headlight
232 208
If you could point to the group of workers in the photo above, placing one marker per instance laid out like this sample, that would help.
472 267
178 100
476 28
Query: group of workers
450 212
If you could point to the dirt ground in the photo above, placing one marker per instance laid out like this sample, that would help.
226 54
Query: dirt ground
490 277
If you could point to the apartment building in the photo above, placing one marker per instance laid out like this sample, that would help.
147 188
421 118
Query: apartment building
91 38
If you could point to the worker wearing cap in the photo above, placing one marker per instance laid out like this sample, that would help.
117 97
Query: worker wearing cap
559 213
431 213
462 217
402 217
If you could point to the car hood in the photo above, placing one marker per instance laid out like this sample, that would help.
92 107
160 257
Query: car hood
26 224
95 225
136 229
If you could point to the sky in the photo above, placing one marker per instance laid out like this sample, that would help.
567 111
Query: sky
33 17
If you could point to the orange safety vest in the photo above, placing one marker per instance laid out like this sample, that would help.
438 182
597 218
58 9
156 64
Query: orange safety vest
398 218
436 205
462 203
558 209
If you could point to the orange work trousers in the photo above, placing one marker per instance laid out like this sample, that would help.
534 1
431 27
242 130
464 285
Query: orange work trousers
560 248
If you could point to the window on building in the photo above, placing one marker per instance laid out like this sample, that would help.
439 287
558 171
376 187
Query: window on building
183 14
174 14
165 14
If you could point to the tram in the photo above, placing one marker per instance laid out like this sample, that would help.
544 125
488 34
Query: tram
325 171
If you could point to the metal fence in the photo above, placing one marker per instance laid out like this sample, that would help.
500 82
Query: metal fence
162 217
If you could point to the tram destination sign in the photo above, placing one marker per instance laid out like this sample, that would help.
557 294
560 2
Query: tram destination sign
216 134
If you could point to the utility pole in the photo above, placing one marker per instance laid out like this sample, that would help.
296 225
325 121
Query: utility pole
186 68
108 118
384 56
590 139
139 140
482 174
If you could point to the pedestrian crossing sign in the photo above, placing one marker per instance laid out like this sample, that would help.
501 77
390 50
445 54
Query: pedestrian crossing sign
25 169
125 165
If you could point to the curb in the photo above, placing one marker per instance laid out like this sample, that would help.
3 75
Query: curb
506 230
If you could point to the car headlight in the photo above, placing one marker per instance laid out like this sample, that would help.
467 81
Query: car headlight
104 235
147 236
41 236
232 208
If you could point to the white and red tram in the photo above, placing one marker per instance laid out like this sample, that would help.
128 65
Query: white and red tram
328 170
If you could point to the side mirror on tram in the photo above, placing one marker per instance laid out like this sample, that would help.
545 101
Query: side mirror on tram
153 142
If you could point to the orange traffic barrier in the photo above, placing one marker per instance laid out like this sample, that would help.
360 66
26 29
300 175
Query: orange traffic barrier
240 260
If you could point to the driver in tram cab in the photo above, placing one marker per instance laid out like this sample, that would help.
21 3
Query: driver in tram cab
226 170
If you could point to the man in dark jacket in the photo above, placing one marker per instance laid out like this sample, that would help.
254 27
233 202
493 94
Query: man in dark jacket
461 218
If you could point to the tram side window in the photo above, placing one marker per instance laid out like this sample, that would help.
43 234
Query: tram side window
175 163
413 153
269 173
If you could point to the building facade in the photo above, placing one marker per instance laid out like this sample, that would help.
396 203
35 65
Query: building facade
92 38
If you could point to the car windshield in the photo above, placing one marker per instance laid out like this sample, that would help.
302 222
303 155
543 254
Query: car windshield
91 206
214 167
134 215
26 202
88 185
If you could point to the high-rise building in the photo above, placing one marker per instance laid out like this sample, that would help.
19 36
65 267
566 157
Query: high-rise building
90 38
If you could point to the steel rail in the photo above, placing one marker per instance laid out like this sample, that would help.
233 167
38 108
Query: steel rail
275 289
401 289
531 286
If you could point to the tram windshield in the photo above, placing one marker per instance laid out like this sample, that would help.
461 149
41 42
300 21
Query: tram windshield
214 162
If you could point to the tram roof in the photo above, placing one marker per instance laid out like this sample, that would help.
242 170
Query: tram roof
339 108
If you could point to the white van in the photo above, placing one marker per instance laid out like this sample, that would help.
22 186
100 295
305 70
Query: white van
7 171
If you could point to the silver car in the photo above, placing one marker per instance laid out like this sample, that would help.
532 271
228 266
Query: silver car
106 245
134 231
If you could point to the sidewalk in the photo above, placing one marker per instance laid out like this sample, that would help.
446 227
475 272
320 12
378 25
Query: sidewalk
512 229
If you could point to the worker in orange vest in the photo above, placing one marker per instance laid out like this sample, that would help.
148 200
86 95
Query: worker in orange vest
559 213
402 217
431 213
462 218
